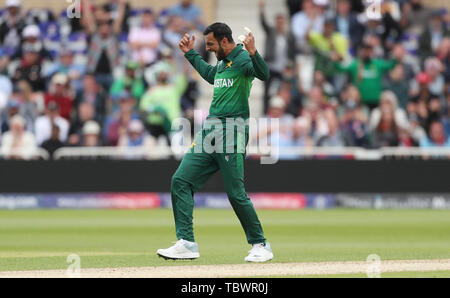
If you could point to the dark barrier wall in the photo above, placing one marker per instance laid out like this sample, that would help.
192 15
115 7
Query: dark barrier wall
285 176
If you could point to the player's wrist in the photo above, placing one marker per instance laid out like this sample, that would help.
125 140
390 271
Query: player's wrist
188 51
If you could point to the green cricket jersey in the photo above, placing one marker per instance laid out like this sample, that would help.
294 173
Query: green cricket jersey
232 79
370 83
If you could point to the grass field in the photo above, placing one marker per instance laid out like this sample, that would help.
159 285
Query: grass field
42 239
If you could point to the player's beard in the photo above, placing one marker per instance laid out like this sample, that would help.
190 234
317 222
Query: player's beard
221 53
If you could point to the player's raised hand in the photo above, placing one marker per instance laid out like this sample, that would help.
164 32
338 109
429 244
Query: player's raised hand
187 43
249 43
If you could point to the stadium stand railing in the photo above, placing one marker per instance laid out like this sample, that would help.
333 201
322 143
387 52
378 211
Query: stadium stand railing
285 153
31 154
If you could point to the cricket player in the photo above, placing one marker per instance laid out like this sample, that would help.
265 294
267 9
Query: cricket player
232 78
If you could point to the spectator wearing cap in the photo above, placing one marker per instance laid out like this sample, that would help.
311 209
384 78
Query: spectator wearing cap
104 48
162 104
435 31
18 143
326 44
91 135
67 66
310 18
366 73
190 13
43 124
277 108
420 90
165 62
279 49
11 26
145 39
59 93
430 83
117 123
30 69
136 135
53 143
132 82
91 92
32 42
436 136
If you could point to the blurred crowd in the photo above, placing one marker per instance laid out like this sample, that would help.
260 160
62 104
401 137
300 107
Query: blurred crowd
114 76
344 73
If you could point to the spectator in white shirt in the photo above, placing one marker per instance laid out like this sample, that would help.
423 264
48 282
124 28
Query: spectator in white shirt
145 39
18 143
310 19
43 125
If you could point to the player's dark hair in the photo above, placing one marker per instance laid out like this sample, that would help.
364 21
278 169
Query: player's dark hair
220 30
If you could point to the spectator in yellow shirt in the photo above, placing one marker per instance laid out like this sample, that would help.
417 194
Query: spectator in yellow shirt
325 44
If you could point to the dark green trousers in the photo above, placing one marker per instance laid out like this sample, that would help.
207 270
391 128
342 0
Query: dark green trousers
195 169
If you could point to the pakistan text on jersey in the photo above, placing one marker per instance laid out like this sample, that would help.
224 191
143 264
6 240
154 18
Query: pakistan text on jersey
219 83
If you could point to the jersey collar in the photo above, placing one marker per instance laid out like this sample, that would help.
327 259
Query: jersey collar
234 52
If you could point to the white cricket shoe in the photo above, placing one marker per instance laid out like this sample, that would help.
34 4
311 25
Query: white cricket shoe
182 250
260 253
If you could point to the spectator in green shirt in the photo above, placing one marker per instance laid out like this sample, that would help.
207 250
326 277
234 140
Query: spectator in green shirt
366 74
162 104
130 82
